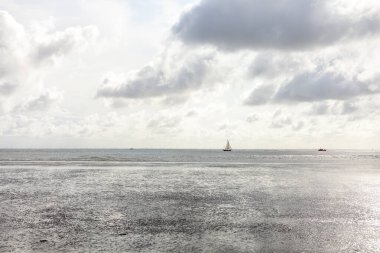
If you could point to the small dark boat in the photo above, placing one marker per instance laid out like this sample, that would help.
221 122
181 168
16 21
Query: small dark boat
322 149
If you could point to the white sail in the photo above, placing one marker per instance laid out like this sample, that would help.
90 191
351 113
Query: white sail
228 146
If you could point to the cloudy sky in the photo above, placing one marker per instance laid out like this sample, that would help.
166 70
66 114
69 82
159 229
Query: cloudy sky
189 74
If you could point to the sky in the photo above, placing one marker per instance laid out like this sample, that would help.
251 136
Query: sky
274 74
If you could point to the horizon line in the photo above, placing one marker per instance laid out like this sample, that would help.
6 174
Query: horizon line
144 148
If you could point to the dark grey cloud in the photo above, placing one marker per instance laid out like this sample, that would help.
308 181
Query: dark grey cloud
333 108
273 24
156 81
317 86
314 86
269 65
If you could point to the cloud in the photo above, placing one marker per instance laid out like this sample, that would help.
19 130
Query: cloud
191 113
27 52
317 86
24 52
252 118
270 65
319 109
164 124
349 108
14 51
272 24
11 32
7 89
42 102
174 100
260 95
44 126
333 108
22 48
57 44
170 75
282 121
314 86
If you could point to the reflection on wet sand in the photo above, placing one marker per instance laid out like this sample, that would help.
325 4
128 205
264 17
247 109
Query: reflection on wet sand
188 209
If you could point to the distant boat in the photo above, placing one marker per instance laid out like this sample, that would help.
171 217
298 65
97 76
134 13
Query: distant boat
322 149
227 147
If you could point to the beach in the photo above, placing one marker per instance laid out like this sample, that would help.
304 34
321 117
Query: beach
189 201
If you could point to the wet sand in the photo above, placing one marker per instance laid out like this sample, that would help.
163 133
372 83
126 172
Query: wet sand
263 208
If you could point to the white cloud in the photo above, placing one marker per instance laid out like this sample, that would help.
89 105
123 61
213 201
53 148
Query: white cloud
42 102
13 53
252 118
56 44
191 92
164 125
24 54
7 89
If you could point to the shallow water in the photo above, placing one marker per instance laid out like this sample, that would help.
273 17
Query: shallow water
189 201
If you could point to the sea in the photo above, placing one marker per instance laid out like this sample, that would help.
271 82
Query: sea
146 200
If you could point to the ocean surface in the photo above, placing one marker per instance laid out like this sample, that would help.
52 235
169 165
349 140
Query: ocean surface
92 200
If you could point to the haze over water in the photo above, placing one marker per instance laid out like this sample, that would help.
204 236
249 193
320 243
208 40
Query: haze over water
189 201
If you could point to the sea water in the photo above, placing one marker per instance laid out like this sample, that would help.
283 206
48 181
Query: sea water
189 201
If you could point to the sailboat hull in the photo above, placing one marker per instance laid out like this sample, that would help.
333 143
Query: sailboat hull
227 149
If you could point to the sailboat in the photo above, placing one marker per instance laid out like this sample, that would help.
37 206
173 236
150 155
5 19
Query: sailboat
227 147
